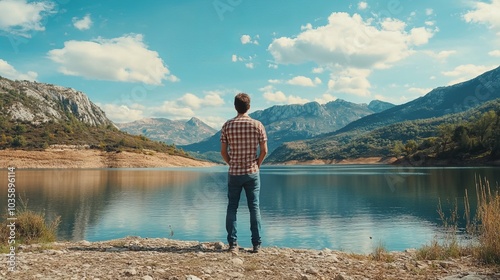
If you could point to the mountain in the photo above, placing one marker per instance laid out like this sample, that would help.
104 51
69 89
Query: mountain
437 103
178 132
38 103
286 123
35 116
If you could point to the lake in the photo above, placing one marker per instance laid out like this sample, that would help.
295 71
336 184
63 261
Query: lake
342 207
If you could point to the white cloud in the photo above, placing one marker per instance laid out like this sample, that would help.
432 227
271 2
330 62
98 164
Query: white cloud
325 98
430 23
20 17
82 24
362 5
122 113
274 81
306 27
485 13
211 99
318 70
429 12
8 71
349 41
303 81
125 59
495 53
466 72
420 91
272 66
234 58
172 110
247 39
352 81
249 65
270 94
442 55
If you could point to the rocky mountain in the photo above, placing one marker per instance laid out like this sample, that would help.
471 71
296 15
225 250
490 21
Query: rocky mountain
378 106
178 132
36 116
437 103
286 123
37 103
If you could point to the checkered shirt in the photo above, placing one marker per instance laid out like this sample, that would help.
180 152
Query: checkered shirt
243 135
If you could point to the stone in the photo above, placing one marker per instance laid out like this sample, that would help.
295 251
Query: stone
147 277
219 245
192 277
130 272
237 261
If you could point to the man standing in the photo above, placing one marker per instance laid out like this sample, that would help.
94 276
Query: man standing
243 136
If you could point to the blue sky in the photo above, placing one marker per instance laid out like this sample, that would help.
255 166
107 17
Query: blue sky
179 59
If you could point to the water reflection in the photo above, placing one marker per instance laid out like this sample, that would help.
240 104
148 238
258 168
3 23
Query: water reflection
353 208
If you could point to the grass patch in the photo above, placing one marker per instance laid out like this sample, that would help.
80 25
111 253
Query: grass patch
381 254
30 227
484 228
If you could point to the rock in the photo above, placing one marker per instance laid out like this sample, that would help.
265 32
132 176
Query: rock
85 243
340 277
147 277
192 277
235 275
130 272
312 271
237 261
219 245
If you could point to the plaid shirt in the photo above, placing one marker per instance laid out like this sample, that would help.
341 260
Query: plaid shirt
243 135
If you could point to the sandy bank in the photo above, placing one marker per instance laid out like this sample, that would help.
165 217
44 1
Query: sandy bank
87 158
368 160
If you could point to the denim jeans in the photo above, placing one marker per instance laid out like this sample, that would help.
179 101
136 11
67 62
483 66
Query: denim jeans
251 184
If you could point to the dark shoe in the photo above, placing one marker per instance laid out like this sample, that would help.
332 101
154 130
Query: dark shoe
233 247
256 248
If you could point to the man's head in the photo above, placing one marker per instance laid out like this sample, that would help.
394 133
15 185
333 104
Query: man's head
242 103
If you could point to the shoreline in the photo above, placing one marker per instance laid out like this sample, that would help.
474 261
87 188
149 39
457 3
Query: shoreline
162 258
65 158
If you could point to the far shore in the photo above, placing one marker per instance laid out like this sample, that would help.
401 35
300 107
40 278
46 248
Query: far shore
88 158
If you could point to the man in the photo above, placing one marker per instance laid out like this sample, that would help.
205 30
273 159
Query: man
243 136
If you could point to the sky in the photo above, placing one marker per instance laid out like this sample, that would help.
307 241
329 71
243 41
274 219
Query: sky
179 59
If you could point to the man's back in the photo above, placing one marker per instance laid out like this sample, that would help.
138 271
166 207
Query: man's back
243 135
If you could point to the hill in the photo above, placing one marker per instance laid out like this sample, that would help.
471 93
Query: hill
369 135
36 116
286 123
178 132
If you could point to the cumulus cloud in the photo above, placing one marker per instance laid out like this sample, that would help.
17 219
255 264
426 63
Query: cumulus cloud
83 23
249 65
442 55
318 70
184 106
485 13
362 5
277 96
349 41
211 99
325 98
466 72
20 17
247 39
495 53
352 81
125 59
122 113
420 91
304 81
8 71
429 12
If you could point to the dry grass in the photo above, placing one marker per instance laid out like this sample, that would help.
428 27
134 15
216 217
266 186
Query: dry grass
30 227
483 227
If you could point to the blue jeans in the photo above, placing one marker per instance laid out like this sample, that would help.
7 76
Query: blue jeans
251 184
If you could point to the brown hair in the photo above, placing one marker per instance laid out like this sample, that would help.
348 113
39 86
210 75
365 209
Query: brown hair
242 103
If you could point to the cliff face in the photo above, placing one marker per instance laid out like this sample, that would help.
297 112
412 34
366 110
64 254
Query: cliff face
40 103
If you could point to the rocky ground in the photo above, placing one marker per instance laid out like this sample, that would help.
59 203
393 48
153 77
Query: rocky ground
145 259
88 158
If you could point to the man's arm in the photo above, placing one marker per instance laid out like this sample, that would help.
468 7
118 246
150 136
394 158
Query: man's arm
263 152
224 153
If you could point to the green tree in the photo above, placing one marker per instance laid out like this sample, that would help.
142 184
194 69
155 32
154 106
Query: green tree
411 147
19 141
398 148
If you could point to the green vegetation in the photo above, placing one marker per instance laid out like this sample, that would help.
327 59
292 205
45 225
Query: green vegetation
30 227
484 228
41 134
473 135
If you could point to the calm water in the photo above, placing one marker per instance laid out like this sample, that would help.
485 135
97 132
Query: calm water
351 207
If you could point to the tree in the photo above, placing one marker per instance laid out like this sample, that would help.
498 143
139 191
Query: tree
411 147
398 148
